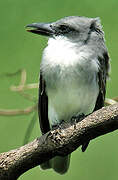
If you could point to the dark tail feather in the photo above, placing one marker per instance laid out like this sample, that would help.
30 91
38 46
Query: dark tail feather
84 146
45 165
58 164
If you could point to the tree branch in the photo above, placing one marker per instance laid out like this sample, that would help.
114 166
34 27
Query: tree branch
60 141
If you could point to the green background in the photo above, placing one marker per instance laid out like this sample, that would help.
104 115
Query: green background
19 49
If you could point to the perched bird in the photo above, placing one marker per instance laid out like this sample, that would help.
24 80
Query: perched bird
73 73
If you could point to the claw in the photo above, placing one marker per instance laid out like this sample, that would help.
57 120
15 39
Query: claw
77 118
58 125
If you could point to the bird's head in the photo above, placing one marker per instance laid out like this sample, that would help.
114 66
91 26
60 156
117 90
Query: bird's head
73 28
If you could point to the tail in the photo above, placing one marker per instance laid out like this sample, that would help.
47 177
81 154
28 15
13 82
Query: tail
58 164
84 146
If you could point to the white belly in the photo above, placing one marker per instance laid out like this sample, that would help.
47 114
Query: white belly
71 99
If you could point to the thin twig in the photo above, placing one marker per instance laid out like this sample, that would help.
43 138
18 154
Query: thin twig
28 96
110 101
14 112
24 87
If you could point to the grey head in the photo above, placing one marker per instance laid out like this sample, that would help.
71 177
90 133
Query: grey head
74 28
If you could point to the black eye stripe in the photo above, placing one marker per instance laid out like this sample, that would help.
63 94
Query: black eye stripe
64 27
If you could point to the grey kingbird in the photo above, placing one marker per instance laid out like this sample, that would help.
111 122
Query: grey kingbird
73 73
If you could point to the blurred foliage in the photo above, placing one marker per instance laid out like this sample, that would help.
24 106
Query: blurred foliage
20 49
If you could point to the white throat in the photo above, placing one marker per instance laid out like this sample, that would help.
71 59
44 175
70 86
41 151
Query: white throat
62 50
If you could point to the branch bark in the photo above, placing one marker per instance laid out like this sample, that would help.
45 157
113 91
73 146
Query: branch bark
60 141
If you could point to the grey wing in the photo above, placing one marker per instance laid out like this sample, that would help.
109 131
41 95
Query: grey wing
102 76
43 106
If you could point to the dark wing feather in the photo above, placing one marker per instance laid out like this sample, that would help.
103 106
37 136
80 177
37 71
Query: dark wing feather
102 76
43 106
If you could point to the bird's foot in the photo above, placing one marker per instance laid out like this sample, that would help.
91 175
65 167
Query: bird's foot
55 126
77 118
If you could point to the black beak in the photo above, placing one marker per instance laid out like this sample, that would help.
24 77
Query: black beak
40 28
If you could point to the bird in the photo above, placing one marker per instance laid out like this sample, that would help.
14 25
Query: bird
73 73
